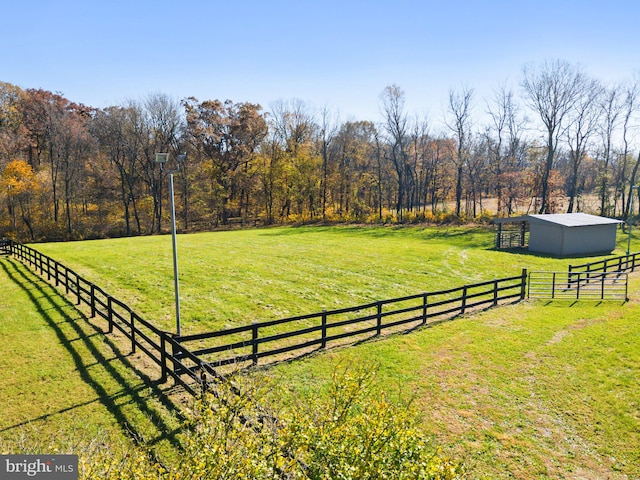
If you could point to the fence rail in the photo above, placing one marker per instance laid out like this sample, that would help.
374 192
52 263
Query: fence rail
250 343
578 285
624 263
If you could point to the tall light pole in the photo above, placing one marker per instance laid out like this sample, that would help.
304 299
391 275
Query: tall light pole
630 218
163 158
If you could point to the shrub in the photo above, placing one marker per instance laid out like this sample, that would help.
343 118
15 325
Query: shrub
351 433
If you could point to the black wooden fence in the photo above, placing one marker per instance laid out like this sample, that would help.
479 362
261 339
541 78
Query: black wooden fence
195 359
159 346
624 263
249 343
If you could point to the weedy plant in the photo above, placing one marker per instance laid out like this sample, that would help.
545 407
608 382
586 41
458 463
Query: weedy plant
352 432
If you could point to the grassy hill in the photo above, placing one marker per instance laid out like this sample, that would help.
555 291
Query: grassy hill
534 390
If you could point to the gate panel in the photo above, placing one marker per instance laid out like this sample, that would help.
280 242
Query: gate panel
578 285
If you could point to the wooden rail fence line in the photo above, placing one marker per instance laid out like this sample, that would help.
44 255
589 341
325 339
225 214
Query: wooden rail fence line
159 346
250 343
623 263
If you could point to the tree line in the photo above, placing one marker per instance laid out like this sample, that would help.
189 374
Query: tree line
562 142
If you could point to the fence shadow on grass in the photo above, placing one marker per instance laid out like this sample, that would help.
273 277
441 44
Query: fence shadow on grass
79 329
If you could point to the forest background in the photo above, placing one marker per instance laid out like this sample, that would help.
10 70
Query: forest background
563 142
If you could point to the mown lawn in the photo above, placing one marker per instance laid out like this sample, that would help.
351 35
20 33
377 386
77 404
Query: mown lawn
234 278
534 390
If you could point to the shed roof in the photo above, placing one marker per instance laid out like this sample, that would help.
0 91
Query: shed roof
574 219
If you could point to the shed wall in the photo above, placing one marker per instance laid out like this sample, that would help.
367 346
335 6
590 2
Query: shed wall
545 238
563 241
590 239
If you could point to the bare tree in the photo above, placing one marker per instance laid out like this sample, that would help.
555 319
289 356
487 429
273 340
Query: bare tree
611 108
584 119
396 126
504 139
328 131
551 91
630 109
458 119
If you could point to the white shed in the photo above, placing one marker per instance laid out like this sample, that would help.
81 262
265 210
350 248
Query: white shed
566 234
563 234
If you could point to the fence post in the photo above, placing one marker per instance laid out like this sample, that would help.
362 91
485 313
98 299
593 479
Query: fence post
57 272
78 289
204 384
379 318
463 307
495 293
110 314
66 280
48 269
324 328
602 288
523 284
254 342
176 353
553 285
578 288
425 302
163 357
626 288
133 331
93 300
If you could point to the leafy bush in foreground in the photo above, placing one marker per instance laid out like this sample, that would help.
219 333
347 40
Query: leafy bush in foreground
350 433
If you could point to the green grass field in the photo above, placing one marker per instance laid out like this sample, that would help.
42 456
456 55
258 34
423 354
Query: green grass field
533 390
234 278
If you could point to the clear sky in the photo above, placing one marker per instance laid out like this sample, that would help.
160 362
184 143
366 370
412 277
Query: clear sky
335 53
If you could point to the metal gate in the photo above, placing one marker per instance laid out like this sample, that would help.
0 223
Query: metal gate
578 285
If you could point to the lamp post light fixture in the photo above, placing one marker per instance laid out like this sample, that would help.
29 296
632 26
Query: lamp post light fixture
631 217
163 158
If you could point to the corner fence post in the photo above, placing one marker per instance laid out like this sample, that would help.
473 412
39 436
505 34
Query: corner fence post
204 383
523 284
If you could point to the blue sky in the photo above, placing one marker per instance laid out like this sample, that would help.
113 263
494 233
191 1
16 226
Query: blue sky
339 54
